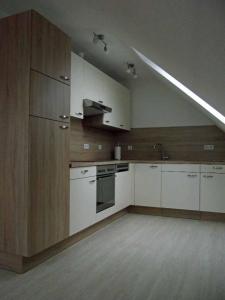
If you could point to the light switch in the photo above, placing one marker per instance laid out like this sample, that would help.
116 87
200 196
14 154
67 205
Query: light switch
86 146
129 147
99 147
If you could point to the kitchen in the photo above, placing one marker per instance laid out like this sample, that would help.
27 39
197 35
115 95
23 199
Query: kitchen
108 161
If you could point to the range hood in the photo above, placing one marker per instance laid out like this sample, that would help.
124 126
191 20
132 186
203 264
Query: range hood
92 108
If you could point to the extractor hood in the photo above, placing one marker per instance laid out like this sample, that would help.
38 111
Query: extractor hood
92 108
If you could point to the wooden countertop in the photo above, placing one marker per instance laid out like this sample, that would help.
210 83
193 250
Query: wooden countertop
77 164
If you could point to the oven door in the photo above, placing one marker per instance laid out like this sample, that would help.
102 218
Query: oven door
105 192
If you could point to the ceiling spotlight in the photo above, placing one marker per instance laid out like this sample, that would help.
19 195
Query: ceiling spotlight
135 75
106 49
100 38
131 70
81 54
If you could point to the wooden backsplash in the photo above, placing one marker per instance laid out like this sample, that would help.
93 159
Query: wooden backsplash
180 143
81 134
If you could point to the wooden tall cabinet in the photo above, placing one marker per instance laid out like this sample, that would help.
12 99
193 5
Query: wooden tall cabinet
34 132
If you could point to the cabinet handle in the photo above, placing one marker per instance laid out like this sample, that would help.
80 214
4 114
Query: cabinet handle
66 78
84 171
100 101
153 167
78 114
63 117
92 181
208 176
192 175
121 125
63 126
107 121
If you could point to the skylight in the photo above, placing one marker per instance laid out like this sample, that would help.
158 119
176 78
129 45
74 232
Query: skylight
182 87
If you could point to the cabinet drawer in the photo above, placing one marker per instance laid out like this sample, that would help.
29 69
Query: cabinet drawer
213 169
180 168
147 167
83 172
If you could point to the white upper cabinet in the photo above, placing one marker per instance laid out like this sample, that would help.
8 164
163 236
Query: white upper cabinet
147 185
77 86
88 82
125 108
120 104
93 83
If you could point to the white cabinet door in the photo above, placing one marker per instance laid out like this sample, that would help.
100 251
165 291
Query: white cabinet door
113 119
119 101
92 83
132 170
77 86
147 185
82 203
180 190
124 112
212 192
107 89
123 190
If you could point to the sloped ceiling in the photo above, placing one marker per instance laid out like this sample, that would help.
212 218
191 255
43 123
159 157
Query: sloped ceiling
184 37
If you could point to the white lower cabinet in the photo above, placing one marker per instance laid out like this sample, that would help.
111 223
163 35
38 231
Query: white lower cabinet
180 190
124 189
212 192
82 203
147 185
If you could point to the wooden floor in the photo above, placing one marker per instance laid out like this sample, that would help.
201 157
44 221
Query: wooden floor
135 258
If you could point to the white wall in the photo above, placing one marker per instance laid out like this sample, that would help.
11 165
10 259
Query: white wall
156 104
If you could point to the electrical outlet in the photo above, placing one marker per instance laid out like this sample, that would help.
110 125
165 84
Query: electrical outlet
99 147
86 146
129 147
208 147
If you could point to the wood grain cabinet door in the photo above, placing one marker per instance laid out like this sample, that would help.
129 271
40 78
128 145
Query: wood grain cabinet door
49 183
49 98
51 49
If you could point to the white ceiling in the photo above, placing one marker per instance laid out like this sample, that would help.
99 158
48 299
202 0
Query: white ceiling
185 37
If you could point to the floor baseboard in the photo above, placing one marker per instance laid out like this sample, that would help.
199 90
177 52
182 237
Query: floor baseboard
177 213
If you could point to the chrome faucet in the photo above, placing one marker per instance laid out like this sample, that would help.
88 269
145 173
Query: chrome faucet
159 147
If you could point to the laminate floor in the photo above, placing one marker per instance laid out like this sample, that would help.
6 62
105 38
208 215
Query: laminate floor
135 258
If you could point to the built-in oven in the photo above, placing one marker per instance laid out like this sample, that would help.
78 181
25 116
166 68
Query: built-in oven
105 187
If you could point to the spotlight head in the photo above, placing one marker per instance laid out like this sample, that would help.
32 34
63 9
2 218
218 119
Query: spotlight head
134 73
95 38
81 54
106 49
130 68
101 37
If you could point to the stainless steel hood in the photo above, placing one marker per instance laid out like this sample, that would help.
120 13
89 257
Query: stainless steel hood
92 108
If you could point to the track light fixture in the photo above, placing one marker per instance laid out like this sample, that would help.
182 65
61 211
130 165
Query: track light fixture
131 70
100 38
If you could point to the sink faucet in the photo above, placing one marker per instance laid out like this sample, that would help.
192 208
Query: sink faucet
159 147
